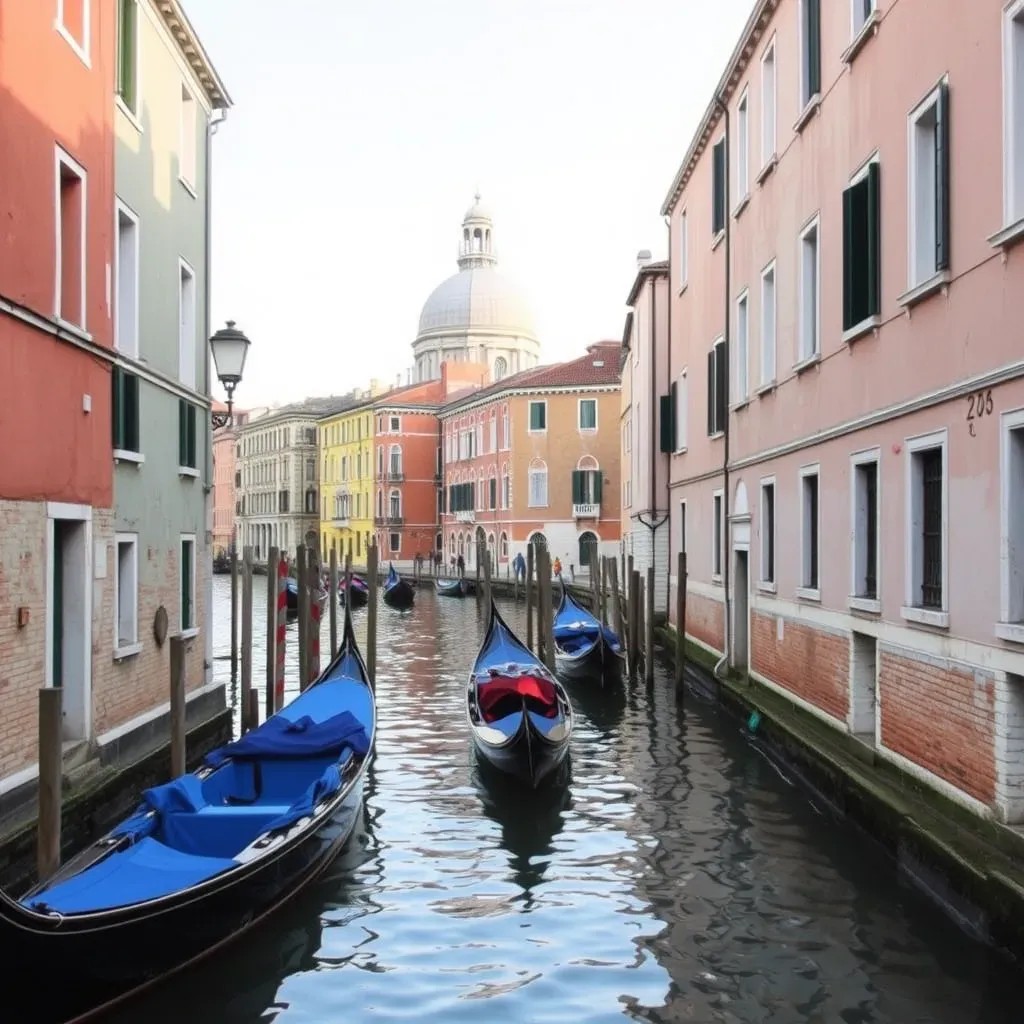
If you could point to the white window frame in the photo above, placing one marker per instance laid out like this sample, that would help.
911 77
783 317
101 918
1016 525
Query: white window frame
131 112
684 246
187 371
533 471
126 647
806 97
579 416
915 279
682 410
683 524
506 429
769 586
192 630
82 49
912 542
768 62
809 353
742 368
866 457
188 149
64 159
717 534
1011 571
858 21
808 593
1013 119
529 416
742 183
123 210
394 424
769 326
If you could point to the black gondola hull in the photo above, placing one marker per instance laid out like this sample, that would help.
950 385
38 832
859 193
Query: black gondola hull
450 588
401 595
528 756
360 597
599 664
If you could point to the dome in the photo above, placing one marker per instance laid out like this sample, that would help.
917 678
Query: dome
477 299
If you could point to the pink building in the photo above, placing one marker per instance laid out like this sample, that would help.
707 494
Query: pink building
849 256
225 440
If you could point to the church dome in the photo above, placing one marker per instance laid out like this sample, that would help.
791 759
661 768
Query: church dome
477 298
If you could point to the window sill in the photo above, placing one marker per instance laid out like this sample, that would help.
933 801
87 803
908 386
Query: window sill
680 451
925 617
766 389
1007 237
716 436
717 240
922 291
810 109
130 114
741 206
867 31
763 174
866 326
1012 631
767 587
740 405
73 43
189 634
188 471
682 287
585 431
529 431
187 186
73 329
128 651
808 594
805 364
716 578
123 455
865 604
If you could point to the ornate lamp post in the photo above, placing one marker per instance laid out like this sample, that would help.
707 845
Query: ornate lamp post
230 347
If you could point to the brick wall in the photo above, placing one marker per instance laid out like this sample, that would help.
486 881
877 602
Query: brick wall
812 663
940 717
705 620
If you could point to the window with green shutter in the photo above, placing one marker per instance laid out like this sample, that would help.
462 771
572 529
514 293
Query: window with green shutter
810 85
862 248
718 198
127 56
125 410
666 406
588 414
539 415
187 575
186 434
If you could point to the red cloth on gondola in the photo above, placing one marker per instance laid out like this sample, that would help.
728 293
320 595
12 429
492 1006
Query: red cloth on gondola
501 695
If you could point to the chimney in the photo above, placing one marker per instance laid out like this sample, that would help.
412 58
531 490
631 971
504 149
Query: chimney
643 257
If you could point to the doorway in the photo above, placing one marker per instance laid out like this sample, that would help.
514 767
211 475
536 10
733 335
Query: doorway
741 613
69 613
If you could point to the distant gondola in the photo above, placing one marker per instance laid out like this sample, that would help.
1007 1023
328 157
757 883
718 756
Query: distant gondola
360 592
398 593
291 596
519 714
451 587
208 854
585 649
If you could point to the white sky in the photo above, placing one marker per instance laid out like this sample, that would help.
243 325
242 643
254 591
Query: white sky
362 129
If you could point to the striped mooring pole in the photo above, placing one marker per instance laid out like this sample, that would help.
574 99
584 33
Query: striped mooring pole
282 619
314 625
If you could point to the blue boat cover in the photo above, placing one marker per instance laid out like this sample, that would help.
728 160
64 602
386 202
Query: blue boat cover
304 737
392 578
326 785
573 623
183 794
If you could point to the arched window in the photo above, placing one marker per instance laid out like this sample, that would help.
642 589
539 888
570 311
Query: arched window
395 460
538 541
452 545
506 488
500 368
505 439
462 544
380 462
395 504
439 543
504 547
492 441
538 495
586 482
588 549
380 504
492 491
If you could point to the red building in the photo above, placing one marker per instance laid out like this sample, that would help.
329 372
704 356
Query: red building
56 473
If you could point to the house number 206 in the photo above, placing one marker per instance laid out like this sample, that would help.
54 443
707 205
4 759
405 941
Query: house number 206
979 405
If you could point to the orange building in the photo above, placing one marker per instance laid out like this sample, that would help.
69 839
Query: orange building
535 459
56 473
225 445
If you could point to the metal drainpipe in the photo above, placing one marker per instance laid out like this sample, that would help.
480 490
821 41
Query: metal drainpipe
668 457
727 624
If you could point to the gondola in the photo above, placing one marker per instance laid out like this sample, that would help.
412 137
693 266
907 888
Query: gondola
291 596
360 592
212 852
398 593
451 587
519 714
585 649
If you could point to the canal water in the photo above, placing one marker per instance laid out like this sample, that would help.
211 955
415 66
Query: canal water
681 876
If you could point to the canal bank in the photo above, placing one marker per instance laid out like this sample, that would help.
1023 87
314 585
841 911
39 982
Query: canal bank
971 866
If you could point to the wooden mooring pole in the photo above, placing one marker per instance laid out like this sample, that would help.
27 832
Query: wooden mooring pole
371 612
632 598
243 713
615 612
530 559
315 612
234 619
680 619
649 624
282 631
273 562
51 765
332 600
178 752
302 630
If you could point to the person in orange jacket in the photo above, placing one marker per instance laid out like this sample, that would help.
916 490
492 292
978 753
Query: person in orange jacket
557 567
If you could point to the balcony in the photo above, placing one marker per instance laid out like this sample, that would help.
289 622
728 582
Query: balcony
468 516
395 476
340 522
586 510
388 520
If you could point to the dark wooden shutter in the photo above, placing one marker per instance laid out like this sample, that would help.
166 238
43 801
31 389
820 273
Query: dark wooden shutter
193 461
674 408
848 258
596 481
874 217
665 425
813 27
182 433
117 408
711 392
721 388
718 188
577 487
942 179
494 492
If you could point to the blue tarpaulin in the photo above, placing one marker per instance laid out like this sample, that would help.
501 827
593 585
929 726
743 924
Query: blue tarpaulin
304 737
328 783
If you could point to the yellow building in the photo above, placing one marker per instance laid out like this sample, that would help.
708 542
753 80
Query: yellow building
346 479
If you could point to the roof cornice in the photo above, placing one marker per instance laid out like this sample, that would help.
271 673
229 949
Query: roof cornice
192 49
651 270
752 34
541 389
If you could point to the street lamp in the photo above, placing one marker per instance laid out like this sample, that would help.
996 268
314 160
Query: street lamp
230 347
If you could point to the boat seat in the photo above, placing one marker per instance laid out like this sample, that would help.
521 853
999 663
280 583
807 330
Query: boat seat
218 830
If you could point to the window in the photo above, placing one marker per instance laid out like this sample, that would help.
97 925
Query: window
395 542
504 429
588 413
126 283
681 403
586 487
492 493
927 501
809 533
718 388
768 533
311 469
810 285
768 324
395 466
683 251
862 248
189 129
395 424
860 11
493 434
742 345
768 105
928 202
1013 113
538 485
743 148
718 187
127 54
1012 504
125 411
865 530
538 416
500 368
682 525
716 536
126 592
503 546
187 573
186 325
74 23
186 434
506 490
810 50
69 302
395 505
